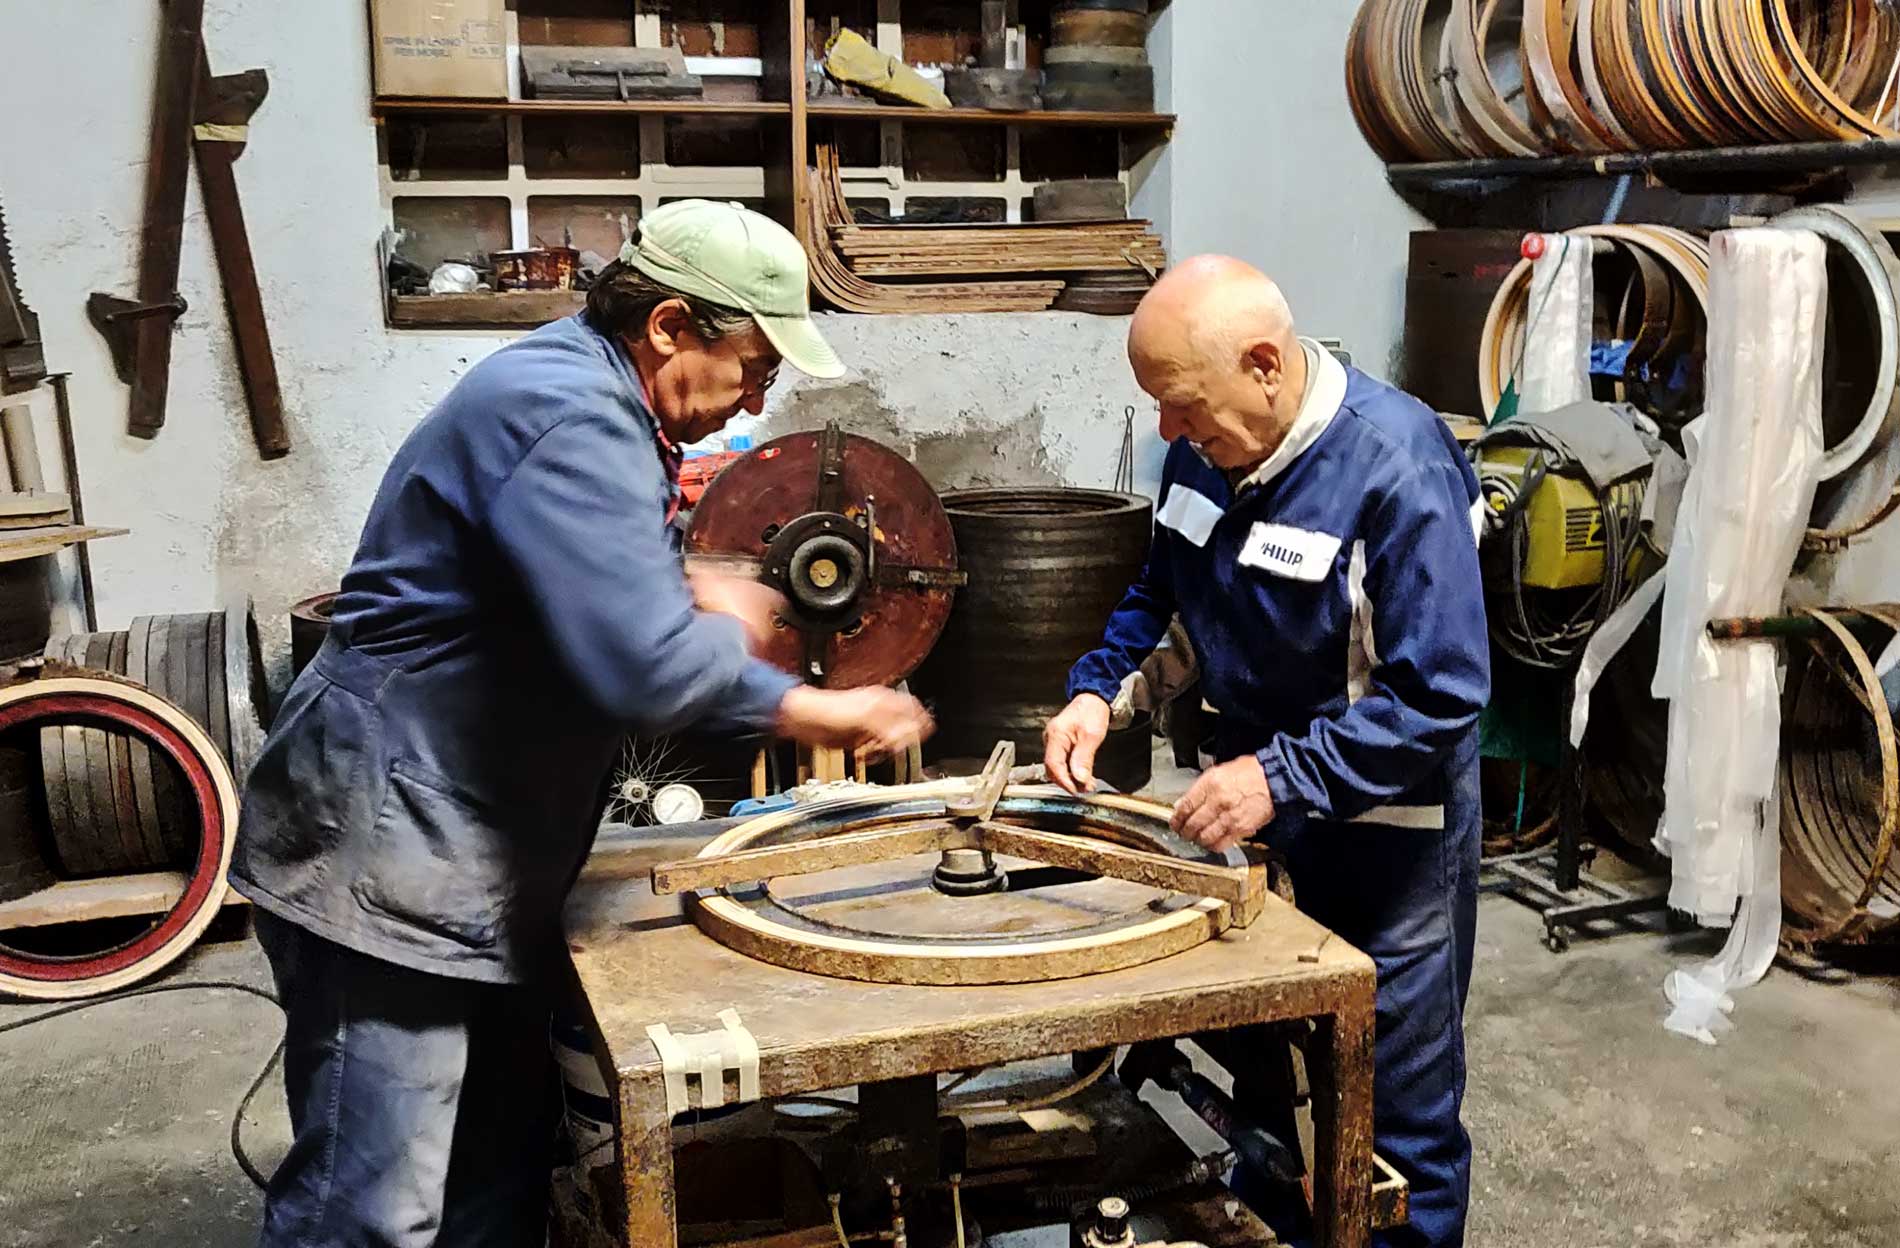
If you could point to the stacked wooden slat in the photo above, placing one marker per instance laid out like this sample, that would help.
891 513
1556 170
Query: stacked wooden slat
1059 246
113 806
886 268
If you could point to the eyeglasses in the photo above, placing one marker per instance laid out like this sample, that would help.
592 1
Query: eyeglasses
761 384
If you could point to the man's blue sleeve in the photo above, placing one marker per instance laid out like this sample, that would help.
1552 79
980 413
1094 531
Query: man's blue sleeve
1430 673
1136 628
581 521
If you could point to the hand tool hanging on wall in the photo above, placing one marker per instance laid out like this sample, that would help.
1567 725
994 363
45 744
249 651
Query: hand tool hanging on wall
139 330
224 107
22 362
213 112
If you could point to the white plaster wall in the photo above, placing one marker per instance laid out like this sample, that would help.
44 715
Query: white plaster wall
1268 165
208 518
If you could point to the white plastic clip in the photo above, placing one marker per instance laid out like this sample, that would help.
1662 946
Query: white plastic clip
708 1056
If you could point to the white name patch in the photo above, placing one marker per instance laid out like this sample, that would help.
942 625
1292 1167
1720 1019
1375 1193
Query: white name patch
1190 513
1297 554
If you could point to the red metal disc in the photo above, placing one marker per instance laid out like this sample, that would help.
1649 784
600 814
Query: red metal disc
205 872
759 495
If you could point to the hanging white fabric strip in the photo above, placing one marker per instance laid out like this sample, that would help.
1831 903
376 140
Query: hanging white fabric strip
1755 461
1556 370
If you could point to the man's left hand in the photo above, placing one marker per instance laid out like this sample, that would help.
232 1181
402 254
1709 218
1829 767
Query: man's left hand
1228 804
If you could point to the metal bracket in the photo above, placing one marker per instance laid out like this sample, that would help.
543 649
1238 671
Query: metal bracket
114 318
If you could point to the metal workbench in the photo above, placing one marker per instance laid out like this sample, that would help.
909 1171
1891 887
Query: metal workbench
639 960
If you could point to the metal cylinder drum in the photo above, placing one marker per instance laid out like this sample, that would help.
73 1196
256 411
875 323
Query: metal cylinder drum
1047 567
309 625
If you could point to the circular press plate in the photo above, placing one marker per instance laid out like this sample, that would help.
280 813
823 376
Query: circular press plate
884 922
889 625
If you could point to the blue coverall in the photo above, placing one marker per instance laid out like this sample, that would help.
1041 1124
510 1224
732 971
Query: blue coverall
433 782
1333 600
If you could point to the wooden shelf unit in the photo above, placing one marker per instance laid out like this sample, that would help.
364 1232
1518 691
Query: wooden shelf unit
834 111
528 204
386 106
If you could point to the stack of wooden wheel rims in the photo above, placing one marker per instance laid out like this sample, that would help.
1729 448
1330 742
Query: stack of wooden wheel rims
1440 80
123 759
1840 785
1097 58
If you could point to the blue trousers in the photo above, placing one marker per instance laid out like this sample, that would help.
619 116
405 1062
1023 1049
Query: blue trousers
421 1107
1409 899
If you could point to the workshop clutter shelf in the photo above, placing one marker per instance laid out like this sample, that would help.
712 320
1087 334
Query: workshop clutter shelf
1451 80
465 178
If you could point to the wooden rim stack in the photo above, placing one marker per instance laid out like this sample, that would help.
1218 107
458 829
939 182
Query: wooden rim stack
114 806
1860 472
1097 58
1664 311
1435 80
1840 790
210 792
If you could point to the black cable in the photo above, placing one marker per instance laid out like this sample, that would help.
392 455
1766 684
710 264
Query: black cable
217 985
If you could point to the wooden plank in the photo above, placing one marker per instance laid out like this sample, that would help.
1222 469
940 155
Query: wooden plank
1025 262
1081 853
116 897
33 543
168 168
851 849
231 240
1339 1067
485 308
384 106
34 510
832 110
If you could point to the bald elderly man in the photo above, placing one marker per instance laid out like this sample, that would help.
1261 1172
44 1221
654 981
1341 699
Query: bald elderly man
1315 533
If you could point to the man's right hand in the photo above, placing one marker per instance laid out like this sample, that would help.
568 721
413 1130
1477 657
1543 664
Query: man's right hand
1069 742
750 602
874 721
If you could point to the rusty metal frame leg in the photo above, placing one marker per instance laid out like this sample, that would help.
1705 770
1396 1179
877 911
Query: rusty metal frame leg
1341 1075
644 1145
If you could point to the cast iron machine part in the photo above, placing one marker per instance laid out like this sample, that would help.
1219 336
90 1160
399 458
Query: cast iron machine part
854 538
1164 1063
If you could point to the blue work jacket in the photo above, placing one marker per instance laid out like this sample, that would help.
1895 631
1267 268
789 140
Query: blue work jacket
433 781
1334 603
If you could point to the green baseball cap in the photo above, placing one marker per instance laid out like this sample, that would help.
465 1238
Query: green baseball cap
736 257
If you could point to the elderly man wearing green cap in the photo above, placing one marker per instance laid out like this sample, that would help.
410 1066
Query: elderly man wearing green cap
516 607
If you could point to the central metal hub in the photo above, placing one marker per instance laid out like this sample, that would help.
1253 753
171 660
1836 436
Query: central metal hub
821 563
968 873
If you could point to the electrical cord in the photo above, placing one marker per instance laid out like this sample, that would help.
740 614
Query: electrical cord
251 1172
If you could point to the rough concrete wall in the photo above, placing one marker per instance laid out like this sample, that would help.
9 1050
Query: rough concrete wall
1268 165
985 400
1033 398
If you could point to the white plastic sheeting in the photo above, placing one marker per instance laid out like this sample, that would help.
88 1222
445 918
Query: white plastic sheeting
1556 368
1755 459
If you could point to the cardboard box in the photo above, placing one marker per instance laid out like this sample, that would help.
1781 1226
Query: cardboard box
440 48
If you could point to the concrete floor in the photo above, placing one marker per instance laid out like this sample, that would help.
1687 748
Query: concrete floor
1593 1127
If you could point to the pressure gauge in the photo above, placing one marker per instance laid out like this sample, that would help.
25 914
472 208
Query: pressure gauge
678 803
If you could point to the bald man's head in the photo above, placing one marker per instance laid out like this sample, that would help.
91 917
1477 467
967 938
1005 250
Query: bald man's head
1214 343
